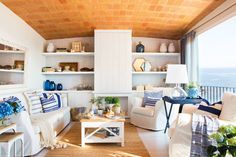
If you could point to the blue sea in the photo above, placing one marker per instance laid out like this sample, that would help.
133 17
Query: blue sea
221 77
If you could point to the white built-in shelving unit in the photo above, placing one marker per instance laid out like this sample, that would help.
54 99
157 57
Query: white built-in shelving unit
157 60
11 78
68 54
69 73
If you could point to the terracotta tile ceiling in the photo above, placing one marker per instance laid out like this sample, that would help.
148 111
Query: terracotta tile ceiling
147 18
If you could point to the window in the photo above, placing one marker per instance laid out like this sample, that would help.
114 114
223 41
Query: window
217 55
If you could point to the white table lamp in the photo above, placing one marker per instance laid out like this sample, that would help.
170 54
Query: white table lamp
177 74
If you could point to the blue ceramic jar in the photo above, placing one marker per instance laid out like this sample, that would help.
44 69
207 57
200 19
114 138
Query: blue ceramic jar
59 86
140 47
52 86
46 85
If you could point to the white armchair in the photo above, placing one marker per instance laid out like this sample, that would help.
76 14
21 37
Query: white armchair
153 118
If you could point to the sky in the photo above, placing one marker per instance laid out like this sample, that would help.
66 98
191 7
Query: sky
217 46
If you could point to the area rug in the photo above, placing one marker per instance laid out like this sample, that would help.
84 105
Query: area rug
133 145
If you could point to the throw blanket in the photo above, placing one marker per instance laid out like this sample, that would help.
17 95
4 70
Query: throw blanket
48 136
202 127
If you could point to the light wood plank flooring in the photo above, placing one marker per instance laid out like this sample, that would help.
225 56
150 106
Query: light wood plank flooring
155 142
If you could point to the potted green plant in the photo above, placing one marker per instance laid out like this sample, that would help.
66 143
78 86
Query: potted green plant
113 103
192 90
116 106
225 142
97 105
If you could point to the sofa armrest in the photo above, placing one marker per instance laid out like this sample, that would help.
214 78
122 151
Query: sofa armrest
23 124
189 108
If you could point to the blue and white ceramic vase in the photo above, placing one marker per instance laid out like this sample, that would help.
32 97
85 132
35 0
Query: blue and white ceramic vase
52 86
46 85
140 47
193 92
59 86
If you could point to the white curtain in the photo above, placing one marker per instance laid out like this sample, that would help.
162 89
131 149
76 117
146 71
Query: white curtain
189 55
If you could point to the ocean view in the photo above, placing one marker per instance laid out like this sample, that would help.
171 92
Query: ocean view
222 77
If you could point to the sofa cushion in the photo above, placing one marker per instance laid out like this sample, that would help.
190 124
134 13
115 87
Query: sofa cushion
55 118
213 110
229 107
34 102
146 111
151 97
49 103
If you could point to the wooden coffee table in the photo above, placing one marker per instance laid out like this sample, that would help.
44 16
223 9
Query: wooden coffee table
102 123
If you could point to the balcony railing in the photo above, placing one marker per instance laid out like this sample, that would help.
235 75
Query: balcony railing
214 93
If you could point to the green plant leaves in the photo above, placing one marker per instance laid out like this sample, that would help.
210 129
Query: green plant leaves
226 142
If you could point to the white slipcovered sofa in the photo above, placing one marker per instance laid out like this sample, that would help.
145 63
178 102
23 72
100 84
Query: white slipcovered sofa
58 119
152 118
180 132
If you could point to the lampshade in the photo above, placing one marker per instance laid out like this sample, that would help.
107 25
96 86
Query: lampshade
176 74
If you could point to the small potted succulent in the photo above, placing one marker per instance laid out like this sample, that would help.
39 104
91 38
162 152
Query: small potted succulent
192 90
224 142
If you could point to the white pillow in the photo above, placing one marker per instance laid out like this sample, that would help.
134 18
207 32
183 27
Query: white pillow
229 107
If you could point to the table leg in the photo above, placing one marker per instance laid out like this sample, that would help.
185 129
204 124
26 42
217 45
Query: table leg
82 135
167 116
122 134
181 107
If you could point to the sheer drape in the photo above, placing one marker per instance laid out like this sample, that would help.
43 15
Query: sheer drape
189 55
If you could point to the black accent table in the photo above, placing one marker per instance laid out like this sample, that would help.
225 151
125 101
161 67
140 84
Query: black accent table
181 103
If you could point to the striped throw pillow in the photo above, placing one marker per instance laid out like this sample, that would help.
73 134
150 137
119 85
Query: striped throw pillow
57 96
49 103
150 98
213 110
34 102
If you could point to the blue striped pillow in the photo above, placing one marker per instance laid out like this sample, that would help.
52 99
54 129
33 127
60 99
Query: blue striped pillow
213 110
49 104
150 98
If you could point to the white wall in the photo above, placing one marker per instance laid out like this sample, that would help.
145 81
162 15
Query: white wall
15 30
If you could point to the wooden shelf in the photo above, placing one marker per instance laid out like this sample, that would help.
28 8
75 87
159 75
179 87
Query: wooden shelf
11 52
70 91
148 73
68 54
12 71
68 73
155 54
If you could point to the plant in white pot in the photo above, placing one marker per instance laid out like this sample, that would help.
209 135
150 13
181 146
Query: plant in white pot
113 104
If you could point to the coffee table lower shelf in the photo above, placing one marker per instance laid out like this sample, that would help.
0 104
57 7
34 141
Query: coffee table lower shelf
102 125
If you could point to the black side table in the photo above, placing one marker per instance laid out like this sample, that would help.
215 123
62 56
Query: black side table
181 102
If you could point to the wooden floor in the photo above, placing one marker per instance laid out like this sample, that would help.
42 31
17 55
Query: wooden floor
156 143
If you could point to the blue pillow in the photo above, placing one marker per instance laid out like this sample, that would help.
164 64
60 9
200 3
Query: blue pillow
49 103
56 96
213 110
150 98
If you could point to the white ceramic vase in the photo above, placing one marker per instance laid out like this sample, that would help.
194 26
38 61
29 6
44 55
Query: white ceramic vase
171 48
163 48
50 47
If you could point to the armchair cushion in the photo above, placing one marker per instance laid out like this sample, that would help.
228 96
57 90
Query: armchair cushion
229 107
146 111
151 97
